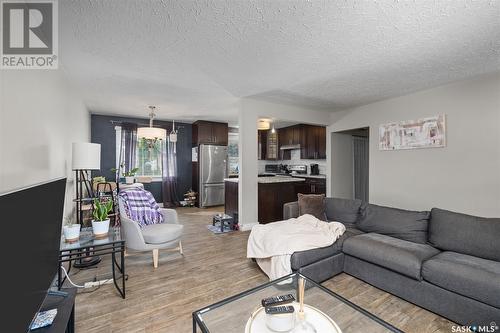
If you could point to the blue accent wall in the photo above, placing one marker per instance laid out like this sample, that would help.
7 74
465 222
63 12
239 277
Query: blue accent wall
103 132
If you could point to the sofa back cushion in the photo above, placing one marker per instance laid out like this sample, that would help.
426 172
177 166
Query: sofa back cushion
477 236
399 223
345 211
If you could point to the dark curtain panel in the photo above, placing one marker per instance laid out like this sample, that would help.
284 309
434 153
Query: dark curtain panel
128 147
169 185
360 151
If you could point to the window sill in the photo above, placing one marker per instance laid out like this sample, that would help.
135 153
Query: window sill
153 179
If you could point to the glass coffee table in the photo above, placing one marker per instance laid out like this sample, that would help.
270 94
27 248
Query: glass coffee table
240 312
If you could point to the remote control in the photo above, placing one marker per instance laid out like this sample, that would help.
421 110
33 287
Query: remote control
277 300
280 309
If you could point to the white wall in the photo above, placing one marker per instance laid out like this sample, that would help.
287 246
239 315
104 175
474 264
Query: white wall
464 176
40 116
342 166
249 111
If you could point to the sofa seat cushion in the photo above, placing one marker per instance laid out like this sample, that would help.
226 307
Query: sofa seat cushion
162 233
404 224
466 275
304 258
398 255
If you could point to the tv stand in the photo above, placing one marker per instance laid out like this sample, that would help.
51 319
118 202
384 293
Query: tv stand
64 322
59 293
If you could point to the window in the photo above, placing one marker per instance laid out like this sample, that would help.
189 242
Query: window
232 153
148 157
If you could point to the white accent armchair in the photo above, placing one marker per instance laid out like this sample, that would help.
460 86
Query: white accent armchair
152 237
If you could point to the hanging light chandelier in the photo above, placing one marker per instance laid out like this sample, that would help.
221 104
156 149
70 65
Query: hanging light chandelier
152 134
173 134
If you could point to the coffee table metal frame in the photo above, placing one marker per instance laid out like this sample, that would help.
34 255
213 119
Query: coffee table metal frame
199 323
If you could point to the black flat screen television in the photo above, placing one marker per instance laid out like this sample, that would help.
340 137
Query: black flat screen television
30 237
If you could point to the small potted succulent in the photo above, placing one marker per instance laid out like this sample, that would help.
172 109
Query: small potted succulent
71 231
130 175
100 223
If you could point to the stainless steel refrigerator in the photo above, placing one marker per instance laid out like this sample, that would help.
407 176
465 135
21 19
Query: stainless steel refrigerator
213 169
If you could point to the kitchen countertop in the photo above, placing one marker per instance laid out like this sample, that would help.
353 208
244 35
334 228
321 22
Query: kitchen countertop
270 180
310 176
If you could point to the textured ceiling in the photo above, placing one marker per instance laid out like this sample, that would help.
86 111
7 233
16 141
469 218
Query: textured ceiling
194 59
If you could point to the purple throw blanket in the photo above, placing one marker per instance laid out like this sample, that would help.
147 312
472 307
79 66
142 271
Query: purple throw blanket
141 206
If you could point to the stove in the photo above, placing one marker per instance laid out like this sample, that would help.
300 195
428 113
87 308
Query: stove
297 169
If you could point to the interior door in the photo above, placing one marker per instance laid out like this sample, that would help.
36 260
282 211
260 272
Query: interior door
360 152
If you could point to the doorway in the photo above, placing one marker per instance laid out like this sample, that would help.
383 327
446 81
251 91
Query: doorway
350 164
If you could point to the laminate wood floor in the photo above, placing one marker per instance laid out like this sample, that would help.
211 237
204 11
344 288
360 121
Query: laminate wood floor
213 267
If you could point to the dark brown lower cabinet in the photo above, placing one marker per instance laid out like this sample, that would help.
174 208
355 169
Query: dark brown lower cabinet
272 197
230 197
313 186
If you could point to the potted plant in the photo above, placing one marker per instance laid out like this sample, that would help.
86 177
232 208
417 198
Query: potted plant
71 231
100 223
129 175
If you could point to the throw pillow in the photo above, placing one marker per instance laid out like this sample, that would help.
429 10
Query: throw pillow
313 204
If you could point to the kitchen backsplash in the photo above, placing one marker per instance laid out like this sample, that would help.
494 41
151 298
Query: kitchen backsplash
295 160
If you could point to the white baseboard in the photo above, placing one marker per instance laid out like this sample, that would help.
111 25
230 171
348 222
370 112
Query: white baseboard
247 226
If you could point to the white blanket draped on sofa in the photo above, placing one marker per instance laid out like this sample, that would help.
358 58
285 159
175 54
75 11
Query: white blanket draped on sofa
274 243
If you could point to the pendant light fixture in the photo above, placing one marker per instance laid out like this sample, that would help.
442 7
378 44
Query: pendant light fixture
263 124
173 134
151 133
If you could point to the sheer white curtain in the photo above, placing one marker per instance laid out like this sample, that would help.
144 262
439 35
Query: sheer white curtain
127 148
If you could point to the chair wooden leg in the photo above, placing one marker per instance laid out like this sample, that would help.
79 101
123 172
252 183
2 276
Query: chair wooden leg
155 258
180 248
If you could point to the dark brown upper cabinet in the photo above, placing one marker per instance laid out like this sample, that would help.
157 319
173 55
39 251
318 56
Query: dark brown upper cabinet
208 132
313 142
290 135
268 145
262 144
272 149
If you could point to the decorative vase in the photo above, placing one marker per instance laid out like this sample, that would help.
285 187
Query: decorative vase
71 233
129 180
100 228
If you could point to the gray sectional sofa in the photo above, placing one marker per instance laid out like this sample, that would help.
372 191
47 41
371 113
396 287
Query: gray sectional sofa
446 262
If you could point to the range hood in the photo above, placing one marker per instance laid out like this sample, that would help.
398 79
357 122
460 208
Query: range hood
290 147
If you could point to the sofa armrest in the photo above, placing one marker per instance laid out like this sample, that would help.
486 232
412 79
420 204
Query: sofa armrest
169 215
290 210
